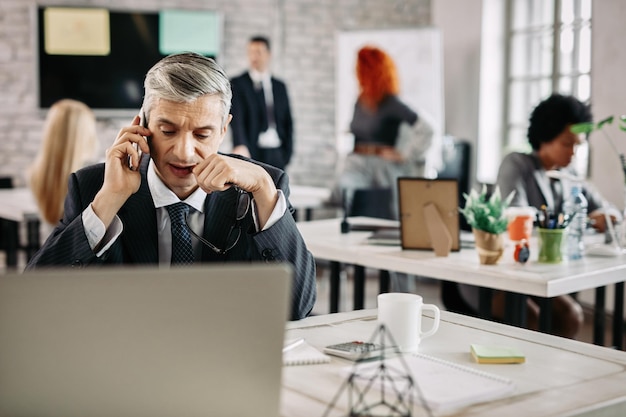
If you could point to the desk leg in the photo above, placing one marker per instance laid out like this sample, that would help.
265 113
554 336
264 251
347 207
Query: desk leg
545 315
485 296
598 316
359 287
383 281
618 316
33 241
13 243
335 283
515 309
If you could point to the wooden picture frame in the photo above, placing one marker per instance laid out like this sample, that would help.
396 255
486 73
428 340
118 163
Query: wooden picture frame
429 215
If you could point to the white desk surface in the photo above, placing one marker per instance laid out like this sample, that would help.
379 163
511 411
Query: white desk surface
561 377
305 196
17 203
325 241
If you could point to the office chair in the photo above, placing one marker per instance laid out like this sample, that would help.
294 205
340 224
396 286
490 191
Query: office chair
456 160
370 202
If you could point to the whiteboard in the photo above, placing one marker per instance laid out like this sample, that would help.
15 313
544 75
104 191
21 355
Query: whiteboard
418 58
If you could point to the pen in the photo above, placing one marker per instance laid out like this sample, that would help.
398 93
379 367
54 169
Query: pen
292 345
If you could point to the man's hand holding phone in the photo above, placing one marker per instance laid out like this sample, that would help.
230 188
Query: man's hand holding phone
120 181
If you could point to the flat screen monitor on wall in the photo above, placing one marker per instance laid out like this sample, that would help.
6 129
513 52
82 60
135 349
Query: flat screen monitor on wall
101 56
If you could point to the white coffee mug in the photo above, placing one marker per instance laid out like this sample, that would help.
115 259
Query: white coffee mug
401 313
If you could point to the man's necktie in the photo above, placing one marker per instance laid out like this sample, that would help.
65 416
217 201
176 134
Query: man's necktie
267 109
182 251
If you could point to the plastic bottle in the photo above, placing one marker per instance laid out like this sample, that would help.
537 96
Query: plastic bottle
576 204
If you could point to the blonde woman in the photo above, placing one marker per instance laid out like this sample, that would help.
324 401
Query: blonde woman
69 143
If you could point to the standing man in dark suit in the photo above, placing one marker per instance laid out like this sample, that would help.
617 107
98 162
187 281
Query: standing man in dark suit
186 203
262 127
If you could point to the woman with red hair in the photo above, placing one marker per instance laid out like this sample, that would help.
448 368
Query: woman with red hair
390 139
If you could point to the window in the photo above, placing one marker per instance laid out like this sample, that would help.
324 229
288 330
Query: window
547 49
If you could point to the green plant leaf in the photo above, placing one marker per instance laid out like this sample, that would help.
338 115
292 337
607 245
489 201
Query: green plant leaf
622 124
486 214
606 121
579 128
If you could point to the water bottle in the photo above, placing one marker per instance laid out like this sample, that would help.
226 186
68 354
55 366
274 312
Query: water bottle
576 205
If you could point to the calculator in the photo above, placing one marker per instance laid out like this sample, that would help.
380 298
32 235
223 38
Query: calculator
355 350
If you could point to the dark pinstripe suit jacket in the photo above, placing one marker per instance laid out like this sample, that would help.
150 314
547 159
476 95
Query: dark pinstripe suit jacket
138 243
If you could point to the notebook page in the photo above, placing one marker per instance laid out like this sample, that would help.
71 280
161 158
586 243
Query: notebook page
304 354
444 385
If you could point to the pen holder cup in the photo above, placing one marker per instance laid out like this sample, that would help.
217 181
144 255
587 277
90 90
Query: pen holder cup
550 244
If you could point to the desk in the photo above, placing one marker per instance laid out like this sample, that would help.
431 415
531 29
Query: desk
17 205
307 198
325 241
561 377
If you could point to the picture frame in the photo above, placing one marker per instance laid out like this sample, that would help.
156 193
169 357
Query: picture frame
429 216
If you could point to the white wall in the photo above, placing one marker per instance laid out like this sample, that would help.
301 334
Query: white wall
608 97
608 94
460 25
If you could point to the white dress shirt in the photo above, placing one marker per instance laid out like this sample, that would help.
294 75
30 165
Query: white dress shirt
268 139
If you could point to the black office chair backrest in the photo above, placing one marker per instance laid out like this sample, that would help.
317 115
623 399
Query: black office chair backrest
456 160
371 202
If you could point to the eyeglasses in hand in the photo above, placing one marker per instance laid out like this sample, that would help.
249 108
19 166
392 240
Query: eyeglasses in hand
242 205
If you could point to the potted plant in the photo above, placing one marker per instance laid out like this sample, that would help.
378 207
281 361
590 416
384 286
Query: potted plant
486 215
589 127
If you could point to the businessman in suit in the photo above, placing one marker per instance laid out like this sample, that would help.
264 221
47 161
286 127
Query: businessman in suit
186 203
262 127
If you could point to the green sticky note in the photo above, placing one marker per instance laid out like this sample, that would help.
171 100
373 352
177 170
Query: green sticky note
496 354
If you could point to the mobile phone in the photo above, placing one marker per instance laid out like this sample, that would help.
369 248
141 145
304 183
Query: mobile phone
356 350
143 122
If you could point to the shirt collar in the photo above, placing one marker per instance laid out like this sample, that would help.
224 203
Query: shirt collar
260 77
162 196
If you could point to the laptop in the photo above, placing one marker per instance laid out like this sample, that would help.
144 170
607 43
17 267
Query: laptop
199 341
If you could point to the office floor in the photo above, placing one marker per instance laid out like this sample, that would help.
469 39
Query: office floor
427 288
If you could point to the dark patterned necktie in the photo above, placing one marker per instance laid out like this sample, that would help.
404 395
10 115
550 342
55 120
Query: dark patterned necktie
182 251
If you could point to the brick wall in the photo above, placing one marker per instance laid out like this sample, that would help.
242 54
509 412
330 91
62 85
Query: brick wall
302 32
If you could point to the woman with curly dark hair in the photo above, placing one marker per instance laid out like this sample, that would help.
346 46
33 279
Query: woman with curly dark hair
553 147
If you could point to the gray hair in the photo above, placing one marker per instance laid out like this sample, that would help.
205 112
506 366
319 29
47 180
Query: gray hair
185 77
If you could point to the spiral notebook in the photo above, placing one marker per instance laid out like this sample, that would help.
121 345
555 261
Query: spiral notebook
304 354
444 385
